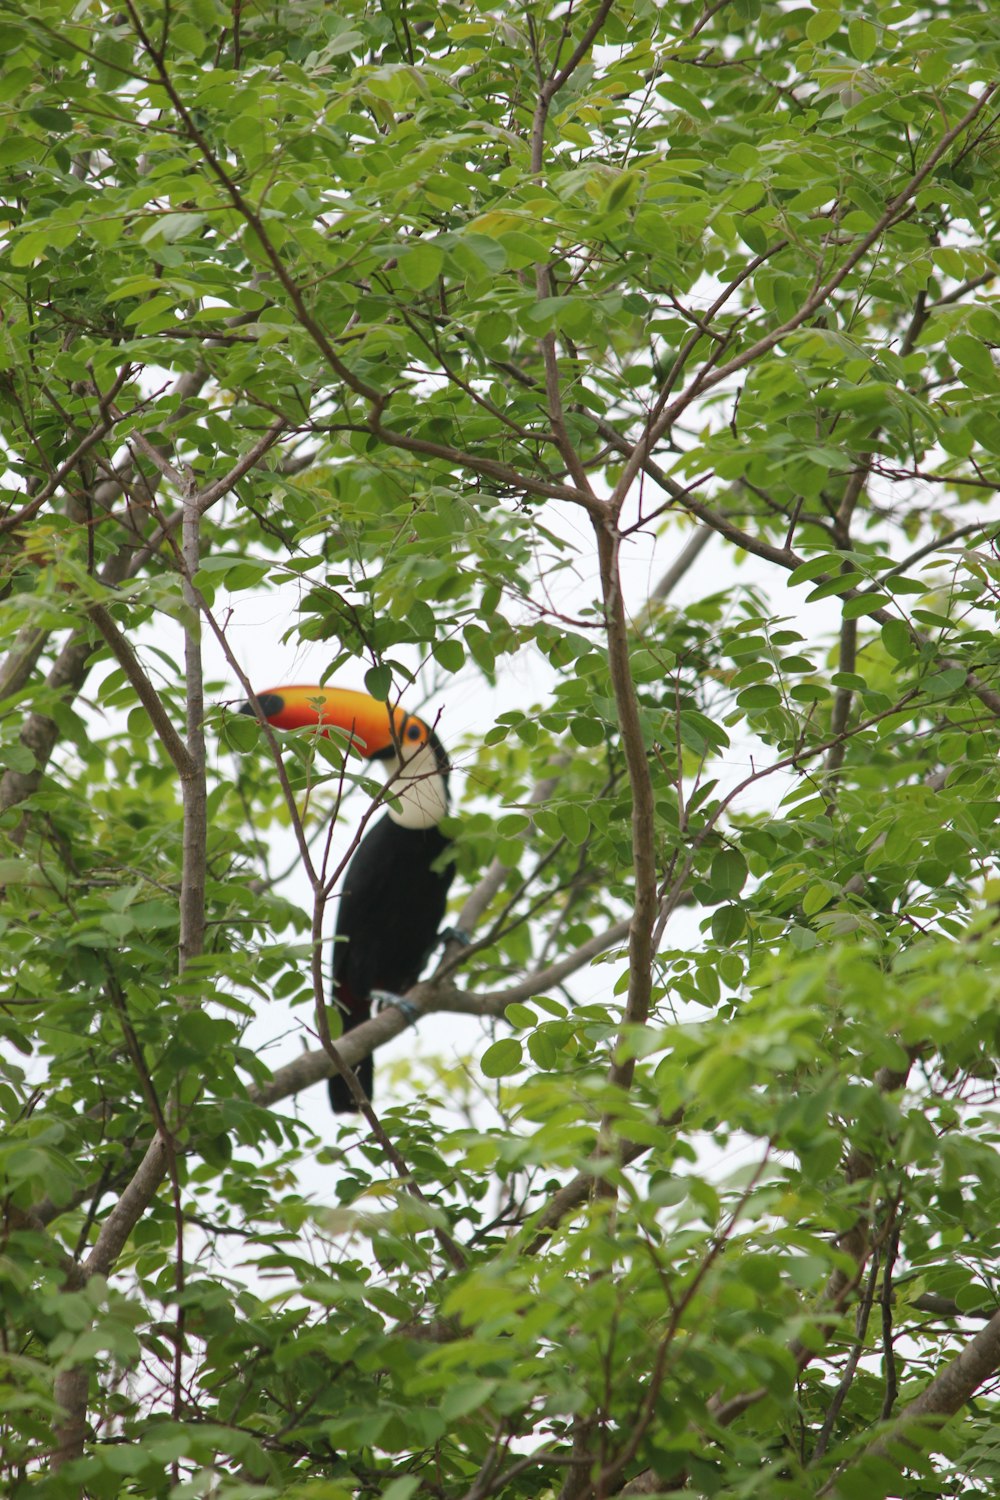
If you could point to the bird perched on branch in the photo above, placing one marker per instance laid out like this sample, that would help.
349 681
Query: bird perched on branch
394 893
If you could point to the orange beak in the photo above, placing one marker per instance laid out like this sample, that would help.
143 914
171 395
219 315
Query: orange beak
374 729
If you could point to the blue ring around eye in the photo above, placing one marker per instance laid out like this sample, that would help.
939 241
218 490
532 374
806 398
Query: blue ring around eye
413 732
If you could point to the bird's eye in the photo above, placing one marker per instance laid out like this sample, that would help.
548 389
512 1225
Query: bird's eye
413 732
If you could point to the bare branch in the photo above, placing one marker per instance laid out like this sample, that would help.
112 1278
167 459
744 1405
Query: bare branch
147 695
640 781
513 479
681 566
553 84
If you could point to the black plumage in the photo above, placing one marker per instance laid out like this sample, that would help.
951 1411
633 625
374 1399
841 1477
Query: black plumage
391 907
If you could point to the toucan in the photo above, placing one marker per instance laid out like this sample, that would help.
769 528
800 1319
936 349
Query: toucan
396 887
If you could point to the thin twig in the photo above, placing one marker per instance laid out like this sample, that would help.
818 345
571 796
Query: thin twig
850 1368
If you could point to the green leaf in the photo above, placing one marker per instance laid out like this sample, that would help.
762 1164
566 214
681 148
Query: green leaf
488 251
17 757
574 822
151 309
588 732
684 98
542 1049
513 825
420 264
728 924
14 82
450 655
972 354
818 896
944 684
822 24
901 585
481 647
240 733
187 38
462 1398
862 37
378 681
58 121
520 1015
405 1486
838 585
503 1058
16 149
761 696
865 604
896 639
728 874
345 41
813 567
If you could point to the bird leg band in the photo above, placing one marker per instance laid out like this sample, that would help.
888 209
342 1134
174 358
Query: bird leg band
382 998
454 935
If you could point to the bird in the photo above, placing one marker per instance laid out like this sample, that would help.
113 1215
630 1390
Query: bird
395 891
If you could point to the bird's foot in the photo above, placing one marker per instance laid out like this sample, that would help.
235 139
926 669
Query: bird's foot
454 935
384 998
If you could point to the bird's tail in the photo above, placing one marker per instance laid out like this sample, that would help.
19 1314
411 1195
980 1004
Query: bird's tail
341 1098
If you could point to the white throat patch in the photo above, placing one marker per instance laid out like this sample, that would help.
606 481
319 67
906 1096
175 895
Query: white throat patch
419 788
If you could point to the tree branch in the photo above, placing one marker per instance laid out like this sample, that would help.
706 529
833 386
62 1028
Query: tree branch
946 1394
147 695
640 982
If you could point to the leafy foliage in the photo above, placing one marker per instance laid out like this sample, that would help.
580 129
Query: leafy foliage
431 313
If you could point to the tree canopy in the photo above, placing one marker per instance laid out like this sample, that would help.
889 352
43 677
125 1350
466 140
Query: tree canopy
417 310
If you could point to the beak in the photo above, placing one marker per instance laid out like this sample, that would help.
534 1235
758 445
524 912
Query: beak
374 731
